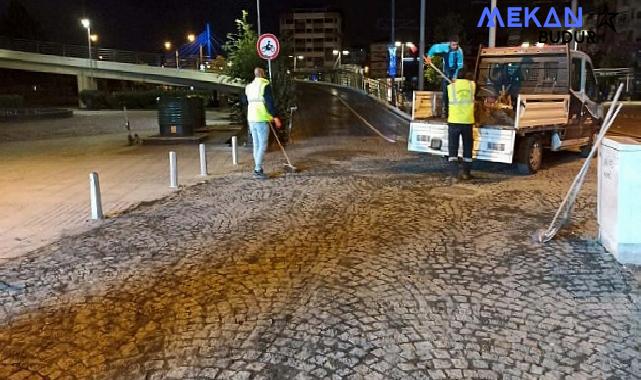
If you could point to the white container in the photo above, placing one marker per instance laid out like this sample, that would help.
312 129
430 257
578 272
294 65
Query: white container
619 198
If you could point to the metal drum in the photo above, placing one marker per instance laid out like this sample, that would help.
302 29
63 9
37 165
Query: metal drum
180 115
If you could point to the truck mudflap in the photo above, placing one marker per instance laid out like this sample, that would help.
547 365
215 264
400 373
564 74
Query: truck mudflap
490 143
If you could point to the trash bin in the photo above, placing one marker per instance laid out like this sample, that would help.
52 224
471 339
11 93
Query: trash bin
619 204
180 115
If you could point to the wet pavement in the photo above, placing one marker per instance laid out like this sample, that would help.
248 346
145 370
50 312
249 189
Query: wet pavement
368 264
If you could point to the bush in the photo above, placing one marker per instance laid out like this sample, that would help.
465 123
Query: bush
140 99
11 101
94 99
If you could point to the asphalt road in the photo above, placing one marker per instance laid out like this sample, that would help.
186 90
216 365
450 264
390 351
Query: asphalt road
322 113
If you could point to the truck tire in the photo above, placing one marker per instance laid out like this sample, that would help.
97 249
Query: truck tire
586 149
529 155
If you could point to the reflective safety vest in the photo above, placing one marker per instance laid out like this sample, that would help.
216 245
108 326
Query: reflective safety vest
257 110
460 95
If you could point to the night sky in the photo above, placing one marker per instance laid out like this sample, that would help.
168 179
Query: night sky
143 25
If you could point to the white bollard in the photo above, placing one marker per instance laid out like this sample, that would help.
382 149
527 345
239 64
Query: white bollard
96 201
203 160
234 150
173 171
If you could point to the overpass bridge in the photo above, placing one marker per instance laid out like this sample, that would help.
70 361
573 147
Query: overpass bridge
53 58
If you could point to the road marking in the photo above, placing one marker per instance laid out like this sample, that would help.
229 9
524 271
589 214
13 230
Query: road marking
364 120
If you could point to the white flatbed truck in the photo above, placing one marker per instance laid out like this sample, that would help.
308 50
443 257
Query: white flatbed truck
528 99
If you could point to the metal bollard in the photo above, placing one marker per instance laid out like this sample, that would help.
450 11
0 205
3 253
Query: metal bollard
173 170
203 160
234 149
96 200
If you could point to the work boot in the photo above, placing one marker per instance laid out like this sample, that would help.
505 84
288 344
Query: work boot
259 174
453 171
467 171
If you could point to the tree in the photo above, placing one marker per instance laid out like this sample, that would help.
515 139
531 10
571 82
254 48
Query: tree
16 22
432 78
241 51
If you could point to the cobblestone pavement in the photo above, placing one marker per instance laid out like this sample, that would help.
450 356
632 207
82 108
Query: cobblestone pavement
365 268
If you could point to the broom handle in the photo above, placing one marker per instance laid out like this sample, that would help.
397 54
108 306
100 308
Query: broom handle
441 73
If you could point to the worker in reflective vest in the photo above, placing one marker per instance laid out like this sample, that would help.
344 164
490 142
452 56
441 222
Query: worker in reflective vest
260 112
460 122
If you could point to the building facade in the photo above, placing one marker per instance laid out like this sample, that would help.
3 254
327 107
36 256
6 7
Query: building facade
313 34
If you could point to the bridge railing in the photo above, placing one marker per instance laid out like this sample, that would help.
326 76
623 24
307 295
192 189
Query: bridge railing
78 51
110 55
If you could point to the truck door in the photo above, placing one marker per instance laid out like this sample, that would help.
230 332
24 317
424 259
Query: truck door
573 130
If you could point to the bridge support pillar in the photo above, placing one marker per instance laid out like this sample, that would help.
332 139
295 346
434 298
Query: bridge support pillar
85 82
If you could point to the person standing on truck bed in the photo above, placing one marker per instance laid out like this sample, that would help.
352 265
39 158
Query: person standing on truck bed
452 63
460 122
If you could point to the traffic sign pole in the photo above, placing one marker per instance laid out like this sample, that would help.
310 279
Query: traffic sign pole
269 66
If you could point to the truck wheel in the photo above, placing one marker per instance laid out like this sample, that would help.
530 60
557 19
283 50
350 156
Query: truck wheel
530 155
586 149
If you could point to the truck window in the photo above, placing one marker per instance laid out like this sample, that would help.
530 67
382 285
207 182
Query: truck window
591 87
576 74
522 75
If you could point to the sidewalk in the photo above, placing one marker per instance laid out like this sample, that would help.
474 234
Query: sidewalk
45 183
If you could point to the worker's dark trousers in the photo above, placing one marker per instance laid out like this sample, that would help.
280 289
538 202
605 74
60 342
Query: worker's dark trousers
454 131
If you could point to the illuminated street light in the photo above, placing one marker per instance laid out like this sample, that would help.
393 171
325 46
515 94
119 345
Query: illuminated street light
86 23
335 52
93 38
345 52
191 37
398 43
167 45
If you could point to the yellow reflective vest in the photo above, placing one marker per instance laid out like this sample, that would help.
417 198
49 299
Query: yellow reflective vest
460 95
257 110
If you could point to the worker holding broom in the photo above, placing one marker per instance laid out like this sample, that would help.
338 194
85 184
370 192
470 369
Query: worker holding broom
452 64
260 113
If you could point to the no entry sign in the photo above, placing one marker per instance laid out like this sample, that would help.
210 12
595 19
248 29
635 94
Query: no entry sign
268 46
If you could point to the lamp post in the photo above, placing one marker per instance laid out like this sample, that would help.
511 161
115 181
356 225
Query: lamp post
492 37
86 23
296 58
258 14
421 50
403 46
191 38
338 54
393 40
168 46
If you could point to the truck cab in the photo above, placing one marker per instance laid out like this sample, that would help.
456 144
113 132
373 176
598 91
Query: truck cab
527 99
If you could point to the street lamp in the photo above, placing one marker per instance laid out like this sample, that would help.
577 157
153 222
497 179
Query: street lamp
296 57
94 38
168 46
403 46
191 37
338 54
86 23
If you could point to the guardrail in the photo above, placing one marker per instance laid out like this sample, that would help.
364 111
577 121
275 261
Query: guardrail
380 89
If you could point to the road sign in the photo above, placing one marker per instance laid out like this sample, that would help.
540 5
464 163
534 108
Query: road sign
268 46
